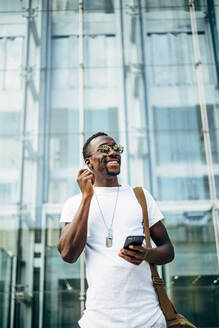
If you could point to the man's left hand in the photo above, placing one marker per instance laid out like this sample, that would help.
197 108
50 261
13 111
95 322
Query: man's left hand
135 254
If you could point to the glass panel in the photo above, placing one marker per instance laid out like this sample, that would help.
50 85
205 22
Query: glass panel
100 81
94 5
213 121
171 4
11 60
19 114
64 71
64 150
10 82
178 139
11 6
199 294
101 106
9 145
213 113
13 65
193 276
8 236
64 117
103 73
5 287
2 64
177 134
62 283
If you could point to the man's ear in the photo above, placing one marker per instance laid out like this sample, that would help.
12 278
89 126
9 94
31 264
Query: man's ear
88 163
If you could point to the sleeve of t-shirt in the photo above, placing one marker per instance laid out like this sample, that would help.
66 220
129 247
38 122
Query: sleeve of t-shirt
70 209
154 213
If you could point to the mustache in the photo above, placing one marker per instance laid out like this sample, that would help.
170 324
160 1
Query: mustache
118 159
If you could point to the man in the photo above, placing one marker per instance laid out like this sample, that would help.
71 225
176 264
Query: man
120 292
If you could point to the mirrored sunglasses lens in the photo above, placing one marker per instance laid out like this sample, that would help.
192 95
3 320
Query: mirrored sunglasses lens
105 149
118 149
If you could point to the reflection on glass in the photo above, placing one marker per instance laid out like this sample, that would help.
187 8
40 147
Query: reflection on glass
194 279
62 282
90 6
5 287
11 6
11 60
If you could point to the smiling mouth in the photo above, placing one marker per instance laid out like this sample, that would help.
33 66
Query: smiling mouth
113 162
113 166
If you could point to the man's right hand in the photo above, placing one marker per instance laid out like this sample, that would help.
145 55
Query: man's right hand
85 181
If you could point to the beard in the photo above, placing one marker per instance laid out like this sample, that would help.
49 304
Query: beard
112 173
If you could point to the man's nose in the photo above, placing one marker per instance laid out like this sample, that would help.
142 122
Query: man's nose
112 151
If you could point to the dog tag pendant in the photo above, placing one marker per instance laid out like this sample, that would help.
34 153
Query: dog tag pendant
109 242
109 239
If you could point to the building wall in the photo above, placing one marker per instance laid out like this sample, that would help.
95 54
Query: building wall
150 79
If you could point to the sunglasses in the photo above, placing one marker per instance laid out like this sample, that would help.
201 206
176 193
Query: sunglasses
105 149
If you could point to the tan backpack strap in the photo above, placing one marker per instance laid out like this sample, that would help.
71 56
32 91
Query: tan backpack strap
139 193
165 304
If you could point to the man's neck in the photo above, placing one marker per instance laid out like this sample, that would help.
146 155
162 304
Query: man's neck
107 182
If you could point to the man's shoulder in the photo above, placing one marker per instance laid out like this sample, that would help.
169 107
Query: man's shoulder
146 192
149 198
70 207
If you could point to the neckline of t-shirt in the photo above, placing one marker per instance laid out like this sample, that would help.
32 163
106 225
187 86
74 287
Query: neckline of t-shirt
122 187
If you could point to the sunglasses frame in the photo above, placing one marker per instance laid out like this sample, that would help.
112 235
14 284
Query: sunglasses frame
105 149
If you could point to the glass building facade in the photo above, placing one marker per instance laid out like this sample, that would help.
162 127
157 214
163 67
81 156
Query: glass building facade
145 72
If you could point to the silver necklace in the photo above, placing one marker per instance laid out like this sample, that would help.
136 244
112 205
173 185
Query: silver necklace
109 237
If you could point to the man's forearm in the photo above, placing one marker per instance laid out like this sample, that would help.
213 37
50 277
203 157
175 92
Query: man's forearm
74 234
160 255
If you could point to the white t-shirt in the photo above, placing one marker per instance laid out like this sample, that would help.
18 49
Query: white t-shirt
120 294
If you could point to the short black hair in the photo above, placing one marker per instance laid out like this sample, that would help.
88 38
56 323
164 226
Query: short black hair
98 134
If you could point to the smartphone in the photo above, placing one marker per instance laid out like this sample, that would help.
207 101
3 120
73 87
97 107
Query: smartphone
133 240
